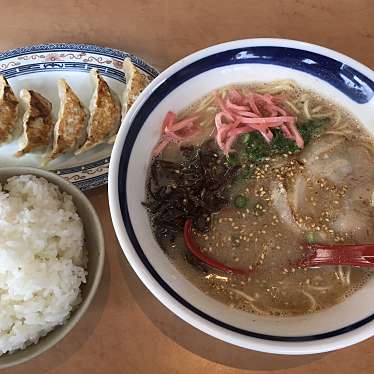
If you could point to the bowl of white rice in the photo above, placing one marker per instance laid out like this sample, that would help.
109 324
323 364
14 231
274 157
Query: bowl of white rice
51 261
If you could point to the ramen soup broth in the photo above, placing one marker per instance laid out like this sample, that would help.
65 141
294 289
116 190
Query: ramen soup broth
271 205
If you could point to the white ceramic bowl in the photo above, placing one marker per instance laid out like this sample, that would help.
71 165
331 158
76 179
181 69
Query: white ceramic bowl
333 75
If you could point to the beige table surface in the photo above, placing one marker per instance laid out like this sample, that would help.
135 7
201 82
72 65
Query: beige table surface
126 329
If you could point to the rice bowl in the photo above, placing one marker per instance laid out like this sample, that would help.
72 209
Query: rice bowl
42 260
57 317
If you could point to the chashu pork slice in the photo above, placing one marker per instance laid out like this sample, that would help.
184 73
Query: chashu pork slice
105 114
70 128
8 111
37 122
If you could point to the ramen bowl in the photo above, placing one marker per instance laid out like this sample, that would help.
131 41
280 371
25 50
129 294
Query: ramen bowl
335 76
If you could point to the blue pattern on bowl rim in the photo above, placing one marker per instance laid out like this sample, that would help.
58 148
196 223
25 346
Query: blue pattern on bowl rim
346 79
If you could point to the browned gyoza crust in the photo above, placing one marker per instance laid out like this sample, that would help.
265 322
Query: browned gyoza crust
8 111
105 114
135 83
70 129
37 122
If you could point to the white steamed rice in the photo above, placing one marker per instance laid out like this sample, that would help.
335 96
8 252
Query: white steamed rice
42 260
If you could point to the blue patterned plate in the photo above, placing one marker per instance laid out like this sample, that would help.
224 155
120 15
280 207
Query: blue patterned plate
39 67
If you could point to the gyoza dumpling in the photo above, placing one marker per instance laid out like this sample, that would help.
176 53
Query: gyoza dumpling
70 128
8 111
37 122
135 84
105 114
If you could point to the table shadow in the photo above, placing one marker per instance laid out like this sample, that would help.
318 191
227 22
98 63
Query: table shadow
73 342
200 343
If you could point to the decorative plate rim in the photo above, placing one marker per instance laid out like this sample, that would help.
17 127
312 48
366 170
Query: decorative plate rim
96 181
92 48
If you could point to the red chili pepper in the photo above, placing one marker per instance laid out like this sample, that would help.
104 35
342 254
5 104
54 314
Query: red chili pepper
196 251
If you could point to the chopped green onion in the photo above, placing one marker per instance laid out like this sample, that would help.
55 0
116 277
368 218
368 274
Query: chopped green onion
310 237
232 159
256 148
258 209
240 201
246 138
245 172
